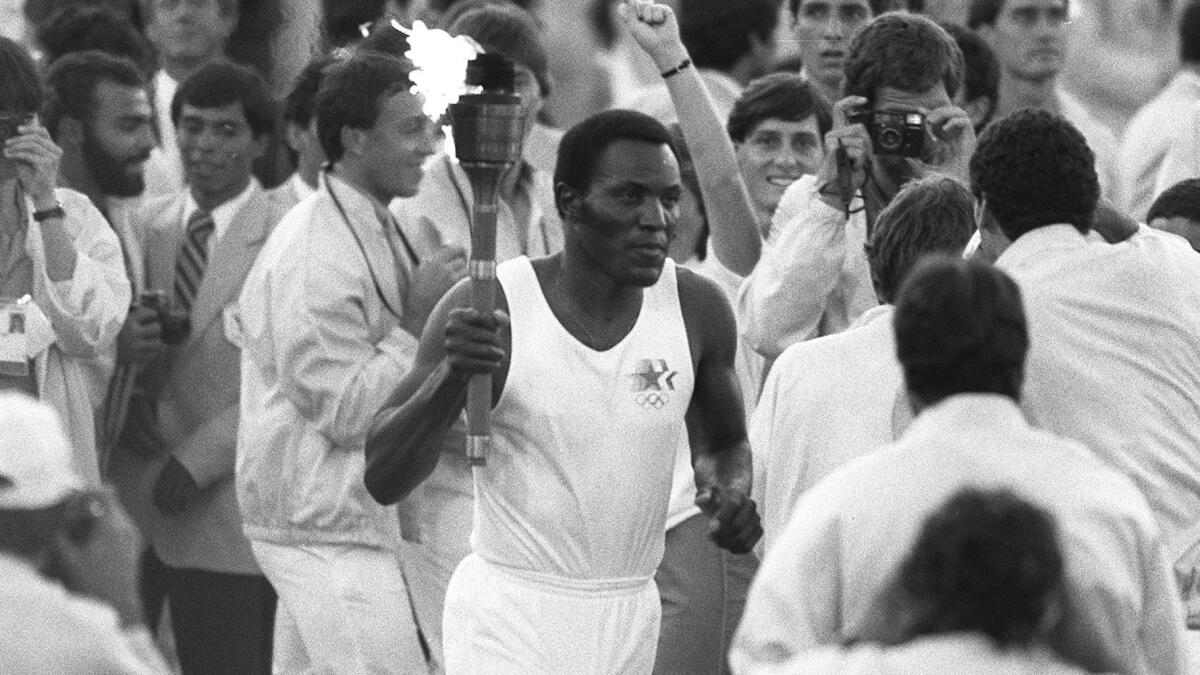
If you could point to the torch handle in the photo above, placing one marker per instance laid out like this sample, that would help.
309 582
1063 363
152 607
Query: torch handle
483 299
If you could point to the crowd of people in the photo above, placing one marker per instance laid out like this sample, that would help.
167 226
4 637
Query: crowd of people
882 355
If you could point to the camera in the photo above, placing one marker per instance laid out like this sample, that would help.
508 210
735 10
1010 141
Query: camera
10 123
894 132
175 323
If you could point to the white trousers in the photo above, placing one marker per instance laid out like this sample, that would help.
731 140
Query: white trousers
499 620
342 609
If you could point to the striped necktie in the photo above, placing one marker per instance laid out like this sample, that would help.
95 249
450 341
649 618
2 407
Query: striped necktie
193 258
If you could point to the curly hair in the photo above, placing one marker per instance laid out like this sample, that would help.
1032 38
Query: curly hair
783 96
1035 168
1181 200
582 146
960 328
72 80
903 51
934 214
988 562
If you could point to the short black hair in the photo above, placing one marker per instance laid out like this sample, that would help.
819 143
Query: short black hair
583 144
1035 168
223 82
986 561
960 328
718 33
935 214
72 80
1181 200
352 93
300 103
78 28
981 68
784 96
1189 33
20 88
510 31
985 12
908 52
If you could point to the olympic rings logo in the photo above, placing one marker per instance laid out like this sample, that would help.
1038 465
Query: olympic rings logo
652 399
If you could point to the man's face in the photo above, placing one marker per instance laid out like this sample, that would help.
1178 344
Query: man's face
395 149
1029 38
824 29
1185 227
218 149
626 218
191 30
118 138
775 154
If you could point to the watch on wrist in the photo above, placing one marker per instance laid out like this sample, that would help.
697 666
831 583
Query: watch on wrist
56 211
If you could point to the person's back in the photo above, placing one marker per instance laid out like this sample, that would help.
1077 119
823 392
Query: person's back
824 581
1117 361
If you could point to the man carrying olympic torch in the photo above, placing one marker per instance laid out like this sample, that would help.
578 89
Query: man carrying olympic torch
609 349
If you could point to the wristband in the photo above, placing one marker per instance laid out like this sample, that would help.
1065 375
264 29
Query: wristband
47 214
683 65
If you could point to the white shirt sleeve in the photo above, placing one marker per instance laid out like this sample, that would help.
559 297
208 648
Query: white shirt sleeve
782 301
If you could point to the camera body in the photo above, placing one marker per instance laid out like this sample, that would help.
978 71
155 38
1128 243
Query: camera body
10 123
894 132
175 323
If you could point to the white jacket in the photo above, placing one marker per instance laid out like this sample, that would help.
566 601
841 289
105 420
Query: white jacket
323 348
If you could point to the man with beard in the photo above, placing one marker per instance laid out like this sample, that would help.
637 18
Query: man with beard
175 461
813 278
98 110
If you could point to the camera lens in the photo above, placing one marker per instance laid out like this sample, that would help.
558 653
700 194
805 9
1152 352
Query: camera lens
890 139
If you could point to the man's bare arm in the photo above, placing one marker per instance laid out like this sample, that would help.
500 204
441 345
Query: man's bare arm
407 434
715 418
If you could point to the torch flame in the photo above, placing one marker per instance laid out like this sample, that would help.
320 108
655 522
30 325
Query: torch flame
440 61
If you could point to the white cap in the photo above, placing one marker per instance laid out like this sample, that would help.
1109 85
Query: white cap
35 456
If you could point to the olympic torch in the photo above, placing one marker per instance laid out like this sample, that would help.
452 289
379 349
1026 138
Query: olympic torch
488 129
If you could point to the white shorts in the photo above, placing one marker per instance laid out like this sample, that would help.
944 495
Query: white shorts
499 620
342 609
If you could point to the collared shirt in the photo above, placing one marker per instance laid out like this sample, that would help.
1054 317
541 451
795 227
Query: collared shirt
222 215
1114 360
16 268
826 402
300 187
826 580
48 630
1148 138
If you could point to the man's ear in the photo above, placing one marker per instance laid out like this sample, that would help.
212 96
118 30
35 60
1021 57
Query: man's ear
353 140
568 201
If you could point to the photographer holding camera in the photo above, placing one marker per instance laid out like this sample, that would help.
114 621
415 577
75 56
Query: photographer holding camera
68 559
896 122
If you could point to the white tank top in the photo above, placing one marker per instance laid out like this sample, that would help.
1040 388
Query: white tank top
584 442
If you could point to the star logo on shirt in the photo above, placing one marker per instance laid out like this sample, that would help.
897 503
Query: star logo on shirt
651 380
